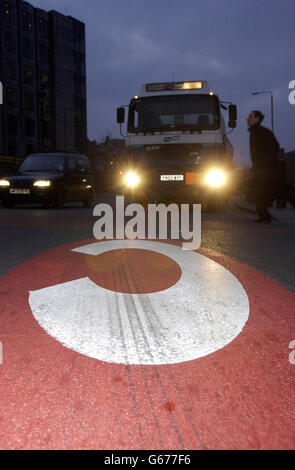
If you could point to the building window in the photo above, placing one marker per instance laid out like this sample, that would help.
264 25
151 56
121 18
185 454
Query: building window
81 92
27 21
10 43
30 128
45 129
29 101
12 124
11 96
45 105
29 149
8 13
10 69
79 45
43 52
28 48
42 27
11 148
44 79
80 68
28 74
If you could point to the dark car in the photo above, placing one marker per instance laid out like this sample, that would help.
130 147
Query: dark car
49 179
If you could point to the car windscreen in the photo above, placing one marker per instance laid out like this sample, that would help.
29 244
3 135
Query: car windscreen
181 112
43 163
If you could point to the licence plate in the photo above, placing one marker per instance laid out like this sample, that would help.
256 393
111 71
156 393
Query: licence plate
172 177
19 191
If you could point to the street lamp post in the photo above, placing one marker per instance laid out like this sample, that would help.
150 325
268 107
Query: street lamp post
271 103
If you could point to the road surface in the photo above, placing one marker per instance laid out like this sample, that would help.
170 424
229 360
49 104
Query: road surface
142 345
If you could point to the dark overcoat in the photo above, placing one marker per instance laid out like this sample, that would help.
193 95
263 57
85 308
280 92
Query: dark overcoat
265 174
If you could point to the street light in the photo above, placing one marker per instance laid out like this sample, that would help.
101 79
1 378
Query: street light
271 103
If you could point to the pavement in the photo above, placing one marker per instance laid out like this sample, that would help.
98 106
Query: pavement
282 215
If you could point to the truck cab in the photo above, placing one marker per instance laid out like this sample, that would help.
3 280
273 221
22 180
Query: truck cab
176 146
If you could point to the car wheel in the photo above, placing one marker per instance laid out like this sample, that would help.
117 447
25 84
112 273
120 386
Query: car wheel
59 200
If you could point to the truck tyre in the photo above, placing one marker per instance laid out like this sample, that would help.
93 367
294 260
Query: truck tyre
217 205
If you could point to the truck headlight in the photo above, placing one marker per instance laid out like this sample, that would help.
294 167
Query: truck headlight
42 183
131 179
4 183
215 178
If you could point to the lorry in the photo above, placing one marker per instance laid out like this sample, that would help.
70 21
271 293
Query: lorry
176 146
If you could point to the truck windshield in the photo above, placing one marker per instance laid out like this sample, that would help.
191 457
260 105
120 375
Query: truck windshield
181 112
43 163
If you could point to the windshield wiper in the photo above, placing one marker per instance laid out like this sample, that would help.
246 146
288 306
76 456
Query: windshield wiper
27 171
151 130
46 170
172 129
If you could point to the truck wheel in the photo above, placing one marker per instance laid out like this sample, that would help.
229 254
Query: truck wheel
217 205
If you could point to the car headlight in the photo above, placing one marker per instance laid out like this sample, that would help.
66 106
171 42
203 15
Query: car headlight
4 183
131 179
42 183
215 178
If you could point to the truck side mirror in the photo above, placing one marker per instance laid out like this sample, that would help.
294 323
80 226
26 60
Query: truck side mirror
232 115
232 112
120 115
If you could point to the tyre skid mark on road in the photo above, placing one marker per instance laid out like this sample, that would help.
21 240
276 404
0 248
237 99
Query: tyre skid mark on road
122 278
157 369
128 367
128 276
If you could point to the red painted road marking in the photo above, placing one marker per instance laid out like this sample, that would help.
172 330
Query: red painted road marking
242 396
204 310
151 271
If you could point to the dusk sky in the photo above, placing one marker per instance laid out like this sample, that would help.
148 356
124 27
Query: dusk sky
239 46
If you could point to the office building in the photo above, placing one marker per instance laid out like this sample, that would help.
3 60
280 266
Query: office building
42 69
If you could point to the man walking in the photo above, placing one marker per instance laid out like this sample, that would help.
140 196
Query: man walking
264 150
